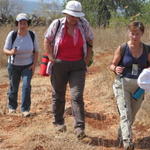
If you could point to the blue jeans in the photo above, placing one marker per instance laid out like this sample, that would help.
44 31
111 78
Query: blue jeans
16 73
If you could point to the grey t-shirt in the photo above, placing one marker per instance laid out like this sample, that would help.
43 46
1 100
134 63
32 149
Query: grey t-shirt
25 47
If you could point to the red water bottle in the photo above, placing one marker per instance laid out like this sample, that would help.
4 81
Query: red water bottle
43 65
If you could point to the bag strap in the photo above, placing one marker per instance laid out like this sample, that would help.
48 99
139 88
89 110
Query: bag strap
82 23
147 50
33 38
58 25
32 35
14 35
122 51
145 47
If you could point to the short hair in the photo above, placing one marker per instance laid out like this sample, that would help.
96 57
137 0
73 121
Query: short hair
28 21
136 25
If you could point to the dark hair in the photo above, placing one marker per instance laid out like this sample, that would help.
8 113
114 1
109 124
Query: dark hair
136 25
28 21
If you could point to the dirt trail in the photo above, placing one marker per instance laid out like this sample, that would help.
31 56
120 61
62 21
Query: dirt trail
36 132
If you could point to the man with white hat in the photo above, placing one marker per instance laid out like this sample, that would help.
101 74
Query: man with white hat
68 42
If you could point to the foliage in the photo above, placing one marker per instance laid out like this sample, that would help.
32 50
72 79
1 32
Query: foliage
8 9
145 15
99 12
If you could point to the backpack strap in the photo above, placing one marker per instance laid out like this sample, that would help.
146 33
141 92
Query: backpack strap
124 45
145 47
147 50
122 51
33 38
58 25
81 23
32 35
14 35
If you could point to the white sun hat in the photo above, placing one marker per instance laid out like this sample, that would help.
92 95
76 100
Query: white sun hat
22 16
144 80
73 8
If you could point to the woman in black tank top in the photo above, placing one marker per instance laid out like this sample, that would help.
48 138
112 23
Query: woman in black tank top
128 62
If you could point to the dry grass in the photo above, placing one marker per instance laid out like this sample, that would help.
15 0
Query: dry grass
4 31
105 39
37 132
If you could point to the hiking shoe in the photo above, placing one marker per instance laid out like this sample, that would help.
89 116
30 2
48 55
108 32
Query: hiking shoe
12 111
61 128
128 145
80 133
26 114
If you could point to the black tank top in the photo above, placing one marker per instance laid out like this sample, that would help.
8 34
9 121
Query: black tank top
128 61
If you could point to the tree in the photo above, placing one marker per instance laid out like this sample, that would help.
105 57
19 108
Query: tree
145 13
99 12
8 8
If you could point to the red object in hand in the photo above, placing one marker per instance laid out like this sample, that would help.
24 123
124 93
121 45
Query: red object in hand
43 65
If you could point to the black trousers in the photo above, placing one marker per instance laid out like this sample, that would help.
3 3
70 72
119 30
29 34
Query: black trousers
72 72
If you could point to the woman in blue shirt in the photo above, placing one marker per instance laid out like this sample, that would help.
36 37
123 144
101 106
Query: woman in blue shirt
22 48
128 62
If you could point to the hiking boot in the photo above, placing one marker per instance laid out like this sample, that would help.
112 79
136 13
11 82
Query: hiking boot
128 145
80 133
26 114
12 111
61 128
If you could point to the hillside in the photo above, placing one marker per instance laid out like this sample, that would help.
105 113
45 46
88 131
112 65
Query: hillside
34 7
37 132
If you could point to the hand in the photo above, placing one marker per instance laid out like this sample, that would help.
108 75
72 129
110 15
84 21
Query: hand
87 60
119 70
32 67
52 59
13 51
